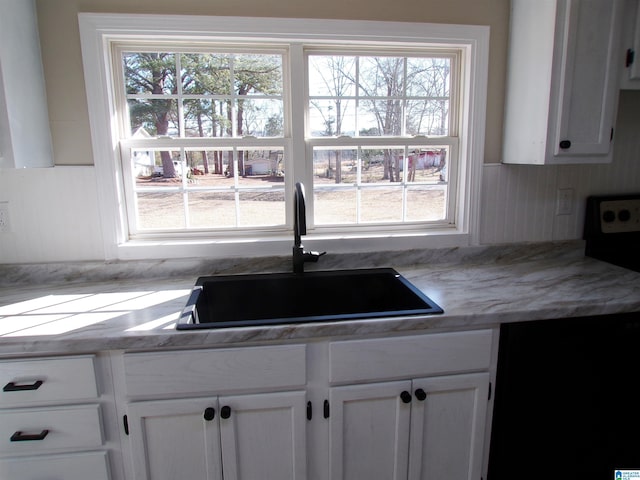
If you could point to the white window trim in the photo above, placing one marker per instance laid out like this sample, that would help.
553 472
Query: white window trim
98 30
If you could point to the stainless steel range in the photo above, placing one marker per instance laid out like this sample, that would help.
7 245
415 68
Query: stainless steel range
612 229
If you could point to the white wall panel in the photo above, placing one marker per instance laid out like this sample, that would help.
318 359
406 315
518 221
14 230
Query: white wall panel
519 201
53 215
515 203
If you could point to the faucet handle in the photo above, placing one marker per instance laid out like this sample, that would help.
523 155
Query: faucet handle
313 256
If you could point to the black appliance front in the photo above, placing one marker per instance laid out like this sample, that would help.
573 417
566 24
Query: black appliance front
566 403
612 229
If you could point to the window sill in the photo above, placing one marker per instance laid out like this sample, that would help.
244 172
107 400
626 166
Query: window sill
146 249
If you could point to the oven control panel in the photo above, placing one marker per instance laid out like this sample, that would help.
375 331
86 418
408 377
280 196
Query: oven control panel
620 216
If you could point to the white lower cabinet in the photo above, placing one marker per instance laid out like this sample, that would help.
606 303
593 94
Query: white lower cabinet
51 422
232 414
411 407
259 436
416 429
369 431
448 427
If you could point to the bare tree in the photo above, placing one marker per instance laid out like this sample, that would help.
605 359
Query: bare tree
336 73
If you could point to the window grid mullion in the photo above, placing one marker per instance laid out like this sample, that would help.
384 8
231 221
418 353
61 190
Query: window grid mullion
181 122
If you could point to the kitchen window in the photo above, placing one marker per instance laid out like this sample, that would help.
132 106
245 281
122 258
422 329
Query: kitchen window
211 122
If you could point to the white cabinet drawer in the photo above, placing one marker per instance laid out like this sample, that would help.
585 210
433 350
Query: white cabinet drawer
206 371
34 430
75 466
411 356
38 381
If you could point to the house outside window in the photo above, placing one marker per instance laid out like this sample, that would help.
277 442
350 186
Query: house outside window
210 127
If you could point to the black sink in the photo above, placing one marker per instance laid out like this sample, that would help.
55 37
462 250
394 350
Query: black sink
284 298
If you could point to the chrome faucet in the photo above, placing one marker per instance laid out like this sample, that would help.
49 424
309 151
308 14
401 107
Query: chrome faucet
299 229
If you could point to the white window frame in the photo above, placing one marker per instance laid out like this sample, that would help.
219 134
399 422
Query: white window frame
98 31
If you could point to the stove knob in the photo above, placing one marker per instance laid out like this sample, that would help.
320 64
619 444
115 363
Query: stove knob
624 215
608 216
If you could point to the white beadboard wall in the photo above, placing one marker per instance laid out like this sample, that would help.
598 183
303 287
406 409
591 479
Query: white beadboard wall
519 201
53 214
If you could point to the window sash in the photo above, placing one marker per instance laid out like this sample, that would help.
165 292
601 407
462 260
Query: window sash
454 56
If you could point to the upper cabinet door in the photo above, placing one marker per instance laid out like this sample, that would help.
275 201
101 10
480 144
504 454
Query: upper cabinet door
588 78
630 66
562 81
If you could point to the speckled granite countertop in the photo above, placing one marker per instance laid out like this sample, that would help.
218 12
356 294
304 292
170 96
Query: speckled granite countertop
93 307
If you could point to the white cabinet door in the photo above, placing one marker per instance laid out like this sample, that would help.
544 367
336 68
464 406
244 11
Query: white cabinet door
369 431
447 427
172 439
589 77
263 436
249 437
562 81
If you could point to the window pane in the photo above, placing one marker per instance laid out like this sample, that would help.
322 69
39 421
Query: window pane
332 76
381 165
427 165
160 210
257 74
262 208
212 209
332 117
428 117
380 117
381 205
206 74
426 204
428 77
261 168
334 165
206 118
153 117
150 73
381 76
260 118
334 206
157 169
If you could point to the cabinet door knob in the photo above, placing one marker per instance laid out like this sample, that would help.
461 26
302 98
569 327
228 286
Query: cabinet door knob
225 412
405 397
14 387
421 394
209 414
564 144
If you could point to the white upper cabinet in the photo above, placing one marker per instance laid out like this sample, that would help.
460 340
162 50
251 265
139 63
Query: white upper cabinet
630 79
25 136
562 81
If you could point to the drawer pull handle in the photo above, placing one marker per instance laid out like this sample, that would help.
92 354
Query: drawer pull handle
13 387
25 437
